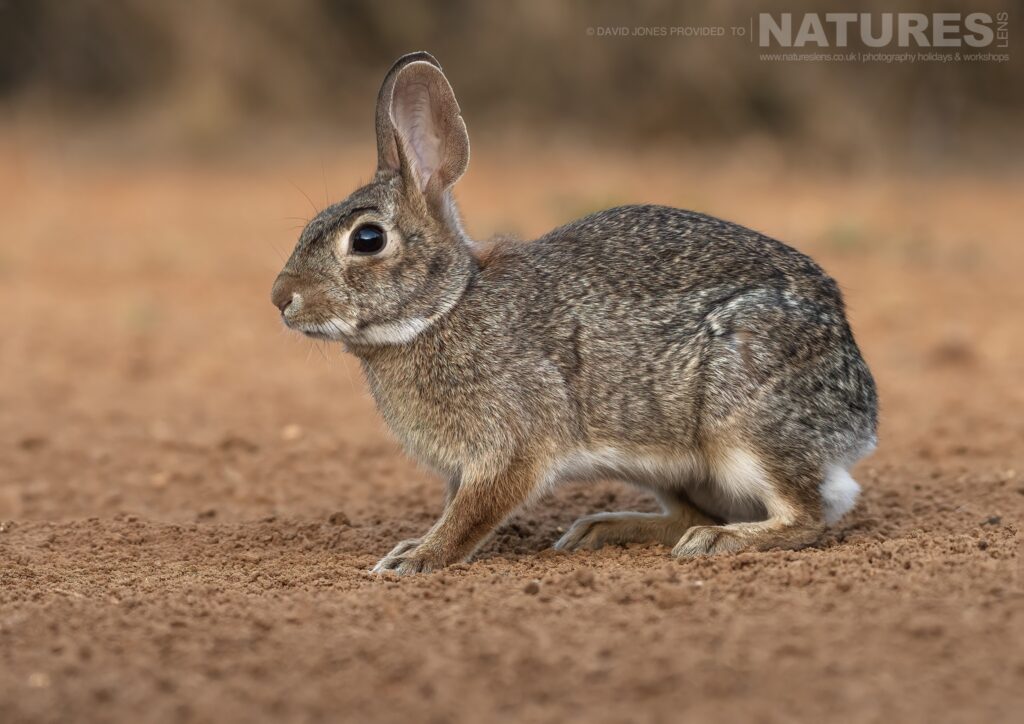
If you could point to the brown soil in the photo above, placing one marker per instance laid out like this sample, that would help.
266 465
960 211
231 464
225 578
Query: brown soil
190 497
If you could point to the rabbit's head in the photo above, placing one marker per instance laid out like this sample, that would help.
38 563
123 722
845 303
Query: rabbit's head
388 261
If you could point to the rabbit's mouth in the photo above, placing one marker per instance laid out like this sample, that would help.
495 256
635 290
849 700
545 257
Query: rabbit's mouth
333 329
318 335
295 313
397 332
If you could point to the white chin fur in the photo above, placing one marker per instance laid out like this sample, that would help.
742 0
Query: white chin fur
402 331
334 329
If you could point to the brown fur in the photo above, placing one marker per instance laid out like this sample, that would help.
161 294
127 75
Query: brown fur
699 359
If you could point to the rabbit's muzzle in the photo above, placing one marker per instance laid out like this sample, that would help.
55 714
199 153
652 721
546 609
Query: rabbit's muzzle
296 299
306 307
285 293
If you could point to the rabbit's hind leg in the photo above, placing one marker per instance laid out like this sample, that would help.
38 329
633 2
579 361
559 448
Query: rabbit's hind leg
594 531
793 517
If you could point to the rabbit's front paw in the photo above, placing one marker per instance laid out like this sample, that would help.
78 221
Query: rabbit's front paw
408 557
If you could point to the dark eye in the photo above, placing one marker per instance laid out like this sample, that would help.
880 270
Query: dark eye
368 239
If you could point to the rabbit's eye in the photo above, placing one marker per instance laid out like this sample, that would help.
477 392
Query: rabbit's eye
368 239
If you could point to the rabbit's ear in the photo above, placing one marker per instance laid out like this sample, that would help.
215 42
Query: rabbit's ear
417 109
387 148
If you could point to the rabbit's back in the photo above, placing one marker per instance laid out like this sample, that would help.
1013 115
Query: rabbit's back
661 254
665 324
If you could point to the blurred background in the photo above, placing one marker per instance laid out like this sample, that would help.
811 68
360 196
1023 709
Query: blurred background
190 495
159 159
205 75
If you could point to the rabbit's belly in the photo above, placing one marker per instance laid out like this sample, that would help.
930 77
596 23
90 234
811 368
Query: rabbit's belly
730 484
654 471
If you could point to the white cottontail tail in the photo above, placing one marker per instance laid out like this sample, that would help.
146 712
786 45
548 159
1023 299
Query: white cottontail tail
702 360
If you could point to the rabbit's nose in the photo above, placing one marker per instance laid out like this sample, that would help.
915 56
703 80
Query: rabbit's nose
282 295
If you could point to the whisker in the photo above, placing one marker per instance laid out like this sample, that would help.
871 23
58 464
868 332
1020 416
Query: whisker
323 173
351 379
319 344
277 251
315 209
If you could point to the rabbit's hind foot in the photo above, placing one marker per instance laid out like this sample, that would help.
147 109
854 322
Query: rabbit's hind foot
705 540
595 531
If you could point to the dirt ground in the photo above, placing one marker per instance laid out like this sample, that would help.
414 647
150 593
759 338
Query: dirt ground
191 496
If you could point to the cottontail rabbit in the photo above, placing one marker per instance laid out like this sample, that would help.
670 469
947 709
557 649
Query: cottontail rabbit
699 359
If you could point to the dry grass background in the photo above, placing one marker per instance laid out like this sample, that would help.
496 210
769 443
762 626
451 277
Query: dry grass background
200 74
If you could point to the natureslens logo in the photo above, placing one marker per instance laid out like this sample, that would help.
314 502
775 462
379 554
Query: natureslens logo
878 30
976 37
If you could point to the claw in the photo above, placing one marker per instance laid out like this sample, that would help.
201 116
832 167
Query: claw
404 559
584 533
707 540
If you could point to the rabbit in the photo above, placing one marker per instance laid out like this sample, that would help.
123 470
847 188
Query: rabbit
703 361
